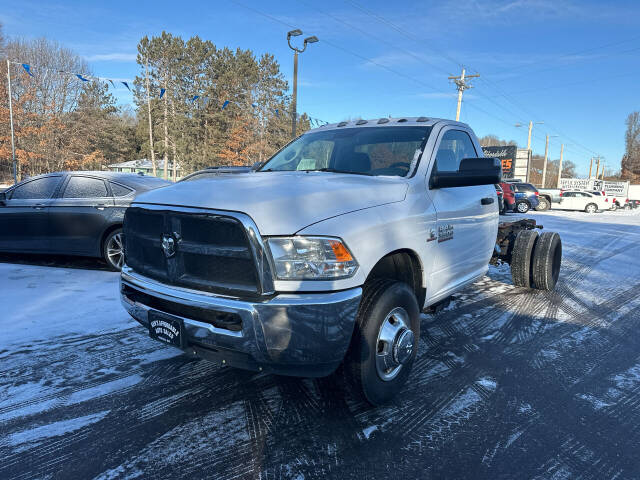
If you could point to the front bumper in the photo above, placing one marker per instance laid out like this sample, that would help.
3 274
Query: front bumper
304 334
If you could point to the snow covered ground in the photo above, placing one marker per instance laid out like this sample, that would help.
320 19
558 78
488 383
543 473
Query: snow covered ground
508 382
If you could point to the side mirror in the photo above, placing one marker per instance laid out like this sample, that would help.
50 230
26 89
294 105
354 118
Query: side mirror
472 171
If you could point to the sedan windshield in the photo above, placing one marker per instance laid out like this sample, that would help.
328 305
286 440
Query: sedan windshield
364 151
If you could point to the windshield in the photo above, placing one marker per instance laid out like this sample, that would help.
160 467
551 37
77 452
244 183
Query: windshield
365 151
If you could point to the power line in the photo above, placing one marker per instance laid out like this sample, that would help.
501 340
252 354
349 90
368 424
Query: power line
443 54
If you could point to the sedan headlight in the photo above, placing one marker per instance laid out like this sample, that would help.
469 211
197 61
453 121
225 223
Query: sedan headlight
311 258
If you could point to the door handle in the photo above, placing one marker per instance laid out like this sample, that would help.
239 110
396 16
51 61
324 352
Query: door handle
486 201
100 206
38 206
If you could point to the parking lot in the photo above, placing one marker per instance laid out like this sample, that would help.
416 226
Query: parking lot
509 383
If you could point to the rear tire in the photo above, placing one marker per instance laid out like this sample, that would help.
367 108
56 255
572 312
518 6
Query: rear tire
523 207
547 259
521 258
544 205
113 250
385 341
591 208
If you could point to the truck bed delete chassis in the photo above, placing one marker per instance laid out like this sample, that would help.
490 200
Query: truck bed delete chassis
507 232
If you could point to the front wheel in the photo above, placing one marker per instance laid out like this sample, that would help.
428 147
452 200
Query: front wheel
591 208
544 205
523 207
113 250
385 341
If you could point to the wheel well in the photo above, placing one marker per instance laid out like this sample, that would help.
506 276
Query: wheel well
404 266
546 197
106 233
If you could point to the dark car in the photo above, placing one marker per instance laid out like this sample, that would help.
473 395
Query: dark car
72 213
526 196
215 171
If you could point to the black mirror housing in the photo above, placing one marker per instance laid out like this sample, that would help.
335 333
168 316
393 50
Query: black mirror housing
472 171
3 197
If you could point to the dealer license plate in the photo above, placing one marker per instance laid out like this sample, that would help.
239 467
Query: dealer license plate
166 328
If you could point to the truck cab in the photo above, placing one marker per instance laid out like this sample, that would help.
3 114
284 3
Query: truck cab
327 254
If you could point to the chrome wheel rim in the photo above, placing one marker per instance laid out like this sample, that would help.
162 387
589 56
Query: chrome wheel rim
591 209
394 346
522 208
115 251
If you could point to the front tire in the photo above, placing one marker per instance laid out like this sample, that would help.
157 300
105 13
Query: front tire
523 207
385 341
591 208
113 250
544 205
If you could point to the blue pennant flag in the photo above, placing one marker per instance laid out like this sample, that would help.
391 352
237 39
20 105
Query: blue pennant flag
126 85
162 90
224 105
112 84
81 77
27 69
195 97
254 105
277 114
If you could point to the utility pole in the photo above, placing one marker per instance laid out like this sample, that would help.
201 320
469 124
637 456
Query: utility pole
461 85
531 123
598 167
544 166
296 51
560 165
546 157
13 142
590 167
153 154
602 174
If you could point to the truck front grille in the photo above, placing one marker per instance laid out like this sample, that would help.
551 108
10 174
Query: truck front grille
198 250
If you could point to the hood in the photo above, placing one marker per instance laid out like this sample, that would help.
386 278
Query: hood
281 203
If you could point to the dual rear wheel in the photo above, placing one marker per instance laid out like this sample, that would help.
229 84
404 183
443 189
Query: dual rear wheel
536 259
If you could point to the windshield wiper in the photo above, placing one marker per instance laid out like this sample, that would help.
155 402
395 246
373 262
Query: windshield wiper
335 170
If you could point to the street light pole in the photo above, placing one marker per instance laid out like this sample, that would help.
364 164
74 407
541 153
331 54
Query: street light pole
13 142
294 101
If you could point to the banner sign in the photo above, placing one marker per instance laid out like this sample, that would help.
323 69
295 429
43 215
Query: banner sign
507 156
589 184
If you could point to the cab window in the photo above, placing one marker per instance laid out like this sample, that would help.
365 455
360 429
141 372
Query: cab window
454 146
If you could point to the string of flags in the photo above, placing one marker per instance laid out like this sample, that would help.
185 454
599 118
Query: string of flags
315 122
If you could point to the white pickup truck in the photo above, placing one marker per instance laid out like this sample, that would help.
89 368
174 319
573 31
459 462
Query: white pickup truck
326 255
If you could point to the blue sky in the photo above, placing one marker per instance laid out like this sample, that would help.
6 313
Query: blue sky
570 64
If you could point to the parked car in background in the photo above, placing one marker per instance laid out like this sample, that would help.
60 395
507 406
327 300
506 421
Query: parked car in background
72 213
634 203
500 195
509 196
583 201
547 197
215 171
526 196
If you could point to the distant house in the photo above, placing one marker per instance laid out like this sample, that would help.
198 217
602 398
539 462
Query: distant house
144 166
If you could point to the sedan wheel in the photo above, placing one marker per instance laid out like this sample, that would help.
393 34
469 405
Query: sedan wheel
591 208
114 250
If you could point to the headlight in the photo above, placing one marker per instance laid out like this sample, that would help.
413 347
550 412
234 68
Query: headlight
311 258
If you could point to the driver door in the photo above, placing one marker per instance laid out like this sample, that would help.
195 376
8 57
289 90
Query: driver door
24 217
466 218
